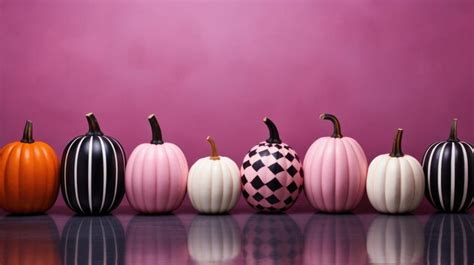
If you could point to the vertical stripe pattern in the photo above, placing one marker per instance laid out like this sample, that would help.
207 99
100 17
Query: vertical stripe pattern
93 240
449 171
449 239
93 172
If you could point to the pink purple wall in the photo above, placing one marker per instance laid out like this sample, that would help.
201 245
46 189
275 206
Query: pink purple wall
217 67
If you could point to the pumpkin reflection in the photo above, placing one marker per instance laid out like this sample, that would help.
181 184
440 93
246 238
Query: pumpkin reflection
29 240
214 238
334 239
272 239
450 239
395 239
93 240
156 240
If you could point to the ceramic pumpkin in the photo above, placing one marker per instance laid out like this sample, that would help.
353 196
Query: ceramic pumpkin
92 240
156 174
214 239
272 176
92 172
335 171
334 239
395 182
29 174
214 183
271 239
449 172
449 239
155 240
404 235
27 241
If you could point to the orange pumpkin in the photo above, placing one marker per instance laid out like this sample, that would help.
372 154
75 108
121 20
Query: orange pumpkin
29 180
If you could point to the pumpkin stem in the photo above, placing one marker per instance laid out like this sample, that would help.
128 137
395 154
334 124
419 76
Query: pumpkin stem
337 126
94 128
28 133
397 144
453 136
214 154
157 138
274 136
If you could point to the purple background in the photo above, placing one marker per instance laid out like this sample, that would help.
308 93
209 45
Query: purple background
218 67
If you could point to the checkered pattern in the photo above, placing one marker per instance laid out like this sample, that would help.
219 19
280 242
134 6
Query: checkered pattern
272 239
272 177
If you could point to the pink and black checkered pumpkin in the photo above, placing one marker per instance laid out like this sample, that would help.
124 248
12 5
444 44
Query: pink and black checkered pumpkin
272 176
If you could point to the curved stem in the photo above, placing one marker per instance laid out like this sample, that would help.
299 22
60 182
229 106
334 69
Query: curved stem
94 128
397 144
274 136
157 138
337 126
28 133
453 135
214 154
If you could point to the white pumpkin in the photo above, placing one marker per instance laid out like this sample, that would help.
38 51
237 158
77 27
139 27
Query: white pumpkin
214 239
395 181
396 239
214 183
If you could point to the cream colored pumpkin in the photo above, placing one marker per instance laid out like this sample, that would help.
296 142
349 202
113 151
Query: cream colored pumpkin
395 181
214 183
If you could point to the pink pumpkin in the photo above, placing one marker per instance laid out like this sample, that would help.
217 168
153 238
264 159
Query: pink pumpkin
156 175
335 171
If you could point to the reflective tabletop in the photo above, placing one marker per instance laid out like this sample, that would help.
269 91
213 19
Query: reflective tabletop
242 238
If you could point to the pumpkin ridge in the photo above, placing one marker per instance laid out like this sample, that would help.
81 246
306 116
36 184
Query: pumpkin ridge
348 189
44 185
323 204
466 178
386 161
141 167
361 160
223 205
413 200
429 171
116 183
167 204
20 181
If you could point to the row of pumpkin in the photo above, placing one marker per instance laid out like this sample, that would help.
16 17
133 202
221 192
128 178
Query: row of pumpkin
263 239
94 176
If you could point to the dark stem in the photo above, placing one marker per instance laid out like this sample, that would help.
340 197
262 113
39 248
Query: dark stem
214 154
157 138
397 144
453 135
28 133
94 128
274 136
337 126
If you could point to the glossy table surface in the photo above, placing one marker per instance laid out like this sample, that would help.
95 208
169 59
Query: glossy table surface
240 238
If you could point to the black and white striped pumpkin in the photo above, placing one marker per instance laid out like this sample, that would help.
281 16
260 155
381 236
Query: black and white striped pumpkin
93 240
449 172
92 172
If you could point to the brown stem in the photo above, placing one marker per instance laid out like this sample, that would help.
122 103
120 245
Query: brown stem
337 126
274 135
214 154
28 133
157 138
397 144
94 128
453 135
